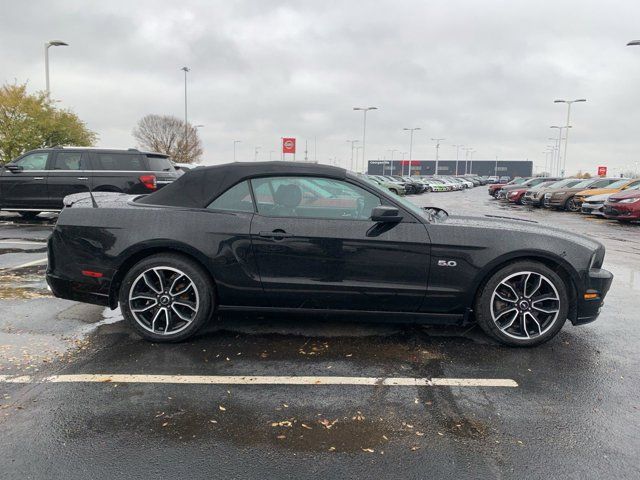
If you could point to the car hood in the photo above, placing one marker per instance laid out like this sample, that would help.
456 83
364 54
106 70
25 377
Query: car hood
597 198
597 191
626 194
514 224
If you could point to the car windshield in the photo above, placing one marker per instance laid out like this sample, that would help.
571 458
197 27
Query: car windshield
584 183
619 183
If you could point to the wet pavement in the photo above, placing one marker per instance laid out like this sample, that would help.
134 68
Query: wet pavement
575 412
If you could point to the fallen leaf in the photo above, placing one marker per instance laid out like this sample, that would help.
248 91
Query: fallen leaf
165 424
420 434
222 408
332 449
414 448
368 450
306 426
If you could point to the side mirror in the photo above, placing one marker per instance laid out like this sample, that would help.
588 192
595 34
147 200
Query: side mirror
13 168
385 214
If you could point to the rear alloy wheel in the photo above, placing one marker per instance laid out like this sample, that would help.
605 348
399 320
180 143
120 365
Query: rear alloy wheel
27 215
524 304
166 298
571 205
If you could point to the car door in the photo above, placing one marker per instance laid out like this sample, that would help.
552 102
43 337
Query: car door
23 183
316 247
69 173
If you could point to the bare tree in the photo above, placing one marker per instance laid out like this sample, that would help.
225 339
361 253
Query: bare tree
166 134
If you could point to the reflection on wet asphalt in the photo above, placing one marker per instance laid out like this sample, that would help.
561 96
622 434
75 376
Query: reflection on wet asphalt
576 409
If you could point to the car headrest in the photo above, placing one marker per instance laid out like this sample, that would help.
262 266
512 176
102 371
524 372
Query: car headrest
288 195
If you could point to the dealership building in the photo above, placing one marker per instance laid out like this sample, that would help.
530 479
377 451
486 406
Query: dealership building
509 168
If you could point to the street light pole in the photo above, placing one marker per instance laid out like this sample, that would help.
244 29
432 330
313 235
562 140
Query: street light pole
364 132
47 45
567 126
437 140
457 155
186 124
235 142
255 153
410 148
392 152
352 142
561 162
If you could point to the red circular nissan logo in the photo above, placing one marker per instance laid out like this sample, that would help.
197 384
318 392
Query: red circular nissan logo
288 143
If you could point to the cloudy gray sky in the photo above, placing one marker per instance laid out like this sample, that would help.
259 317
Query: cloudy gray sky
479 73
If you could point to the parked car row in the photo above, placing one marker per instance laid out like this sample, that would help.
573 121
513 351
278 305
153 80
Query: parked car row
416 184
613 198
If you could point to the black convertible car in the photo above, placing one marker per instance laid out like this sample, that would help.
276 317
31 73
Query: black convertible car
305 238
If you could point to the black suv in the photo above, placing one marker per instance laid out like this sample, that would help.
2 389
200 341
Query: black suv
38 180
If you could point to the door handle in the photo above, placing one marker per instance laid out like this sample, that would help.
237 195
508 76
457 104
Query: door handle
38 178
83 178
276 234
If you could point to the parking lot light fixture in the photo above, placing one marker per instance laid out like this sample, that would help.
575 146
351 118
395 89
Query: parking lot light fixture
437 140
392 152
352 142
364 132
457 155
410 147
567 126
633 43
47 45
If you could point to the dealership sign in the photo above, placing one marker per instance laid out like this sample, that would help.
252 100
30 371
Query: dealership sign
602 171
288 145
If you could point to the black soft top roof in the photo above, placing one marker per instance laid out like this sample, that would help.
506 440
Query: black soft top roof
199 187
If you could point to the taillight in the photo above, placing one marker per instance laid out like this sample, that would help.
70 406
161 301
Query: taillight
149 181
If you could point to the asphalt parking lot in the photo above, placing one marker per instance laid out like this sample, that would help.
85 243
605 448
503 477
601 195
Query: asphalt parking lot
83 397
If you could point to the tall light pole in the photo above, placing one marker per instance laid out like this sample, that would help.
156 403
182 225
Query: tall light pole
255 153
364 131
47 45
560 161
567 126
457 155
352 142
411 130
357 149
437 140
468 152
392 152
235 142
186 124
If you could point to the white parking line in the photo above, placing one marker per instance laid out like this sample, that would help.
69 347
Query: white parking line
22 242
25 265
265 380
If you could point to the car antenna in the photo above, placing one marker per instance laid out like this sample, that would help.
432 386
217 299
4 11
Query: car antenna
93 199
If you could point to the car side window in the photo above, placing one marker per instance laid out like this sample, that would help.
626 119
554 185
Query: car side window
312 197
633 185
119 162
236 199
70 161
33 161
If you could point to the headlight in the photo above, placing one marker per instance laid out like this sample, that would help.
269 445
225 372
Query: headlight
629 200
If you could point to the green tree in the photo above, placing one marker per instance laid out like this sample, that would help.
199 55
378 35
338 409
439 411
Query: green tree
29 121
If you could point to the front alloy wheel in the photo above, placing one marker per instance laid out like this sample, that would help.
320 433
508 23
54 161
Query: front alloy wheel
524 304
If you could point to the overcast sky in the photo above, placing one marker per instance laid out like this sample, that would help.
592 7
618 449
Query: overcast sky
478 73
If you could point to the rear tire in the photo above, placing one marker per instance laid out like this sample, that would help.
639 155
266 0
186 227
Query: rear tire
167 297
523 304
27 215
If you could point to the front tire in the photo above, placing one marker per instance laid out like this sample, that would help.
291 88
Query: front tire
571 205
167 298
523 305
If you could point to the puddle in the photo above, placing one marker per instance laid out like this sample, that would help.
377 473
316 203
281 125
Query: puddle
26 283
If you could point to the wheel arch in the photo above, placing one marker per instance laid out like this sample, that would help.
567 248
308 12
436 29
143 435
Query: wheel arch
137 253
556 263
